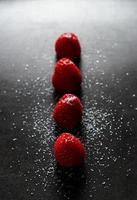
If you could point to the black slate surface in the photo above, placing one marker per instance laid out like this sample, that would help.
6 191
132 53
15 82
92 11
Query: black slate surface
108 35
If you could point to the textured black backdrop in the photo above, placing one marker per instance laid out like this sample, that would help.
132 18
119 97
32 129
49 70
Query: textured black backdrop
108 35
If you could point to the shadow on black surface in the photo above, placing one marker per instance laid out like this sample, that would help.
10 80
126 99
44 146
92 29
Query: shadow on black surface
56 95
72 181
78 131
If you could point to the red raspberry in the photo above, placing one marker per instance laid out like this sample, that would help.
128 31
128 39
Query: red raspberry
68 150
67 76
68 111
68 45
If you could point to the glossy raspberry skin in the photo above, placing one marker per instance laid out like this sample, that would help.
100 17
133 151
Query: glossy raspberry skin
68 45
68 111
66 77
68 150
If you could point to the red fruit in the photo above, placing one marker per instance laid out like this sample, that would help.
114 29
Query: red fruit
68 45
68 111
68 150
67 76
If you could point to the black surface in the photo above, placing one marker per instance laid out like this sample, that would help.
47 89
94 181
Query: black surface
108 35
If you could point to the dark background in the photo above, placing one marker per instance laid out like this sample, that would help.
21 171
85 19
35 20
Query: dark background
108 34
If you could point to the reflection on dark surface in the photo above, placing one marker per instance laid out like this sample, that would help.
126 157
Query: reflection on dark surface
107 31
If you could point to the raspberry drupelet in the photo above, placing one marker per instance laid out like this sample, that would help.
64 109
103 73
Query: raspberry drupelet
68 45
68 111
69 151
66 77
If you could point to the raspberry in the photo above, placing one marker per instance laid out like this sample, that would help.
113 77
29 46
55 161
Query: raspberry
68 111
68 150
68 45
66 77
